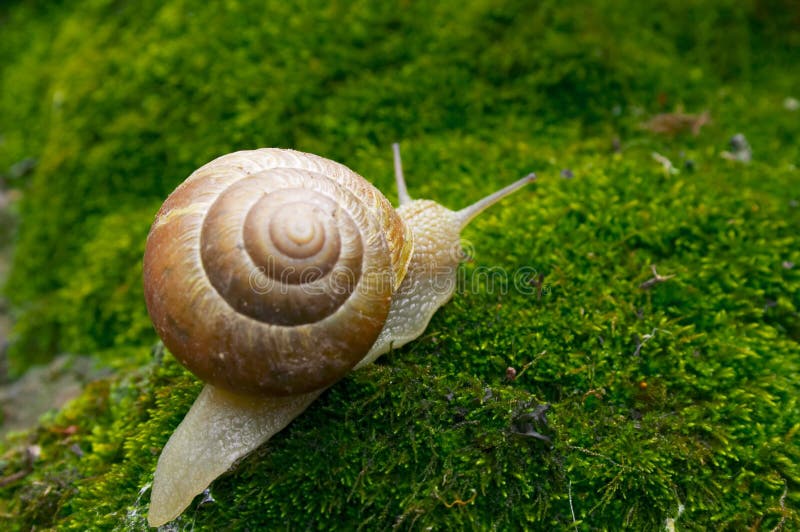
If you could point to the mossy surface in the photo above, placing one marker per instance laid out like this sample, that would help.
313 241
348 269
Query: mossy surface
634 402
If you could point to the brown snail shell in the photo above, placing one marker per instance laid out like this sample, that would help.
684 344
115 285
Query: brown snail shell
271 271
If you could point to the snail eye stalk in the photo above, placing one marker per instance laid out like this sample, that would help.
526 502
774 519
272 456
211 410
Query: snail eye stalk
402 191
466 214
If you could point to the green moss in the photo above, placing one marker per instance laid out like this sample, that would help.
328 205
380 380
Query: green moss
95 309
684 394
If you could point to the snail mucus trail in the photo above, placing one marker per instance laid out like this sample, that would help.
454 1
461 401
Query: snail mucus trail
239 224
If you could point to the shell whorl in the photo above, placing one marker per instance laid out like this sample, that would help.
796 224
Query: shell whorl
271 271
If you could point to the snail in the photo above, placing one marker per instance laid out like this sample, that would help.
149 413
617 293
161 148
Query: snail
271 274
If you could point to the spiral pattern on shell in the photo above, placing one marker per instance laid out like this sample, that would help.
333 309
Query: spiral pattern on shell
271 271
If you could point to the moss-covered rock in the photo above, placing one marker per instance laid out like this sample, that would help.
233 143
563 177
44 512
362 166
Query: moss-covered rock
635 401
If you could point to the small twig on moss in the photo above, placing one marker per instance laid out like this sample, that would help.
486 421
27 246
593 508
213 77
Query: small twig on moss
538 283
644 340
595 392
457 502
673 123
571 509
13 477
656 279
598 455
782 503
355 484
665 163
526 366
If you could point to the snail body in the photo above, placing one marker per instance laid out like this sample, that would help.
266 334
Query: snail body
271 274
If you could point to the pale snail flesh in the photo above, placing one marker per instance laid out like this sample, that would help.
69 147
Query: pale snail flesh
271 274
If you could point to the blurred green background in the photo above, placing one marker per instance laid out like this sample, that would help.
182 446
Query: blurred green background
683 394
